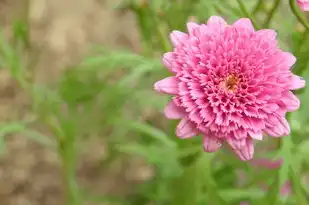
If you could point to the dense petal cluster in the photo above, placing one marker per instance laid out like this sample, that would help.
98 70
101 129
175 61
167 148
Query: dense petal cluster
230 84
303 4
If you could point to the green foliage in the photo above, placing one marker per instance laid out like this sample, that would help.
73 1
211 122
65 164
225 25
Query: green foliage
110 95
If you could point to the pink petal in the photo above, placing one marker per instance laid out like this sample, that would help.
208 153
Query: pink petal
186 129
211 144
178 38
289 59
244 23
278 126
216 20
290 100
270 107
172 111
168 85
168 61
303 4
267 33
297 82
256 135
191 26
243 148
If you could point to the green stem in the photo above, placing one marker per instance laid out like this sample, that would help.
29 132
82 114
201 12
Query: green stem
301 18
68 164
247 13
68 153
301 42
271 13
258 6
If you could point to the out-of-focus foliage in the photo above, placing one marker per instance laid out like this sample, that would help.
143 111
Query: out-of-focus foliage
110 95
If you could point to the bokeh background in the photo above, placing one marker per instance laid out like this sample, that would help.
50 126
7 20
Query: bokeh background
81 124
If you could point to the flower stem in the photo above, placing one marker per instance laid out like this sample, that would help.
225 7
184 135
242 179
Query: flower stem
271 13
247 13
68 154
258 6
298 15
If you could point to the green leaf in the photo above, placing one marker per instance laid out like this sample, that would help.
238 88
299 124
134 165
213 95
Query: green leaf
10 128
204 165
272 196
297 187
184 189
20 127
153 132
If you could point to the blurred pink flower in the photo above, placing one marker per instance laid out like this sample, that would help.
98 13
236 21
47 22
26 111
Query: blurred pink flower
230 84
303 4
243 203
268 164
286 188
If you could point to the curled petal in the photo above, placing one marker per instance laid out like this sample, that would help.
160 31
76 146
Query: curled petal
172 111
168 85
244 23
211 144
185 129
243 148
178 38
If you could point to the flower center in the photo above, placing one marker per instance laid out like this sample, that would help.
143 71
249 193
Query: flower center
230 83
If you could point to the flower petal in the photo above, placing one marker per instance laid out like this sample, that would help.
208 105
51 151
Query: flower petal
290 100
297 82
216 20
172 111
168 85
178 38
303 4
191 26
267 33
256 135
167 61
243 148
186 129
244 23
277 126
211 144
288 59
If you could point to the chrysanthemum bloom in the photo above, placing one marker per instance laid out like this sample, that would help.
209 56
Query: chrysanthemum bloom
303 4
230 84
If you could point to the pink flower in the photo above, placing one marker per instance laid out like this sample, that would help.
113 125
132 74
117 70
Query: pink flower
230 84
286 188
268 164
303 4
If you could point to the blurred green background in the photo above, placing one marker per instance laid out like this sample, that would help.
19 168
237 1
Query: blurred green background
80 123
